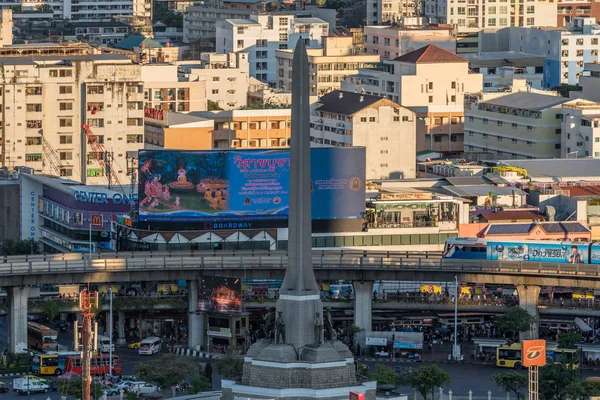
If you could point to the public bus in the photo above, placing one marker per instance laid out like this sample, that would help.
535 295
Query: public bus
41 337
100 365
52 363
510 356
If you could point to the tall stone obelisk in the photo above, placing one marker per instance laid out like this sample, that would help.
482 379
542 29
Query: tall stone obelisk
299 297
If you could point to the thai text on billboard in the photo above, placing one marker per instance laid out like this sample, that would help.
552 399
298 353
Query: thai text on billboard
566 252
239 185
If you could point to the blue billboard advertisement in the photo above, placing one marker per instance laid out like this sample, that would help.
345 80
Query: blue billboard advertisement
246 185
565 252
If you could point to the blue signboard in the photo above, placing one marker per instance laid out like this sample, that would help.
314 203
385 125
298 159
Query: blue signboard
246 185
565 252
400 345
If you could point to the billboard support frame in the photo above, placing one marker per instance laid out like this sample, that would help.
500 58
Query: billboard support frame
533 378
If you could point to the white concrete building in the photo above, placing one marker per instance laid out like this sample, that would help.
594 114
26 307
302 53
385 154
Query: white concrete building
565 50
473 15
6 27
225 77
328 66
590 82
580 129
46 101
261 35
386 129
392 11
501 68
392 41
165 89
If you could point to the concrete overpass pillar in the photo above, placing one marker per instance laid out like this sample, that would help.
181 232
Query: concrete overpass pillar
363 308
195 319
121 339
17 319
528 300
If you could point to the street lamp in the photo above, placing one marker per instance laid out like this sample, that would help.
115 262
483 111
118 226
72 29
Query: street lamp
110 331
455 348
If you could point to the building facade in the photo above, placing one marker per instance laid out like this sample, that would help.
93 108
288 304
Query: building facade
249 129
386 130
225 77
568 10
390 42
45 103
262 35
414 80
566 51
519 125
385 12
474 15
177 131
328 66
590 82
580 129
165 90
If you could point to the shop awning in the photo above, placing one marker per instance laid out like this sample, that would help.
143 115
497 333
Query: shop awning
582 325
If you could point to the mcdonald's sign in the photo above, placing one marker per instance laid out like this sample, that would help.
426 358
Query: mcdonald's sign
97 221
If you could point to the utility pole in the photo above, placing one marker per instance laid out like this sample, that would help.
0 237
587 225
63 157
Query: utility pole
87 300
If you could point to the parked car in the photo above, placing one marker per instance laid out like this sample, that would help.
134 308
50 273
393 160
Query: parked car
126 384
3 387
27 386
111 390
143 388
134 345
150 346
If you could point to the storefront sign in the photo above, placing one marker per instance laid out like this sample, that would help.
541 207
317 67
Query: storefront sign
97 220
223 332
376 341
102 198
414 346
407 196
32 205
124 220
534 353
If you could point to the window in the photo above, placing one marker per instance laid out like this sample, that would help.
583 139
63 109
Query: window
96 122
371 119
485 120
499 123
33 141
283 37
558 131
34 107
240 44
135 138
363 119
135 122
529 127
430 85
65 106
530 9
215 91
33 157
36 124
215 79
65 139
384 152
53 73
491 21
396 118
383 138
453 85
557 146
65 155
471 118
66 172
405 118
65 73
65 122
453 99
95 89
33 91
65 89
431 99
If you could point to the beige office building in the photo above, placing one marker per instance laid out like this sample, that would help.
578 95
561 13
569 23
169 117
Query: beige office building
328 67
45 102
165 90
517 126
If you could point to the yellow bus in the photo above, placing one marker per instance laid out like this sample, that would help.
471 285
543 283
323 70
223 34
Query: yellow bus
52 363
510 356
41 337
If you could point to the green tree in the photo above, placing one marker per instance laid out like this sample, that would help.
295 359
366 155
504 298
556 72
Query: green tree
565 88
229 367
200 384
49 309
44 8
567 340
514 321
512 382
171 18
354 15
168 370
385 375
213 106
72 387
560 383
425 379
12 247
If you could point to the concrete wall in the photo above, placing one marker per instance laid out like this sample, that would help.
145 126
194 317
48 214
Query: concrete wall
10 210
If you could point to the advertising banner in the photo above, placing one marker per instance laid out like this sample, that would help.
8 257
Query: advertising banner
534 353
376 341
104 289
430 289
540 252
219 294
167 288
244 185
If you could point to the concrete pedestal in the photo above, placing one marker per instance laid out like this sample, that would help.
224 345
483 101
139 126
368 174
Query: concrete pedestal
363 306
528 300
299 316
195 320
17 319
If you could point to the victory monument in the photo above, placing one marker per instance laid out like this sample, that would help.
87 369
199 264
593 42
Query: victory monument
297 362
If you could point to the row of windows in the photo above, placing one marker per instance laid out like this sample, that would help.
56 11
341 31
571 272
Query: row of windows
378 240
499 154
512 124
502 138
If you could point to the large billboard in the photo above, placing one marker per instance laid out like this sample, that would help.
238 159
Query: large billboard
217 294
245 185
541 252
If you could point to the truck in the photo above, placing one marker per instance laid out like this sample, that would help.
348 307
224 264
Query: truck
28 385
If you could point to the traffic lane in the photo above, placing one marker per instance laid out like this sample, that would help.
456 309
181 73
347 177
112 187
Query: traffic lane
464 377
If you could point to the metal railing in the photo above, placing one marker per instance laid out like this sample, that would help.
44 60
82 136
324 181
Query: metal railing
322 260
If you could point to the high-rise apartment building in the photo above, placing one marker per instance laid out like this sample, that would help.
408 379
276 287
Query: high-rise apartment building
46 101
261 35
580 129
165 89
390 11
393 41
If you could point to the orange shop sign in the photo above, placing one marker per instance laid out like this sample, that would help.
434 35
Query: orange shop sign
534 353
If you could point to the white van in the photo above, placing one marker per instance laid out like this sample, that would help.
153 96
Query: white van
104 344
149 345
26 386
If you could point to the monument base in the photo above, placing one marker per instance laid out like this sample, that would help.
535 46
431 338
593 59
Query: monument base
299 311
279 371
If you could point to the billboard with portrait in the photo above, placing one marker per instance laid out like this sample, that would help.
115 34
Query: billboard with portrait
217 294
566 252
243 185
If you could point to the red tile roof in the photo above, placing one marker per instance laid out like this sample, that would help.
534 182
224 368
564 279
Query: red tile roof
512 215
581 191
430 54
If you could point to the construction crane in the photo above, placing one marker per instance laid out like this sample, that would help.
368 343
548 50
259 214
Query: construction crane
100 153
51 156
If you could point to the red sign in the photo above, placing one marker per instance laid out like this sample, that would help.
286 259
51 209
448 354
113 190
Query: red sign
357 396
97 221
534 353
153 113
